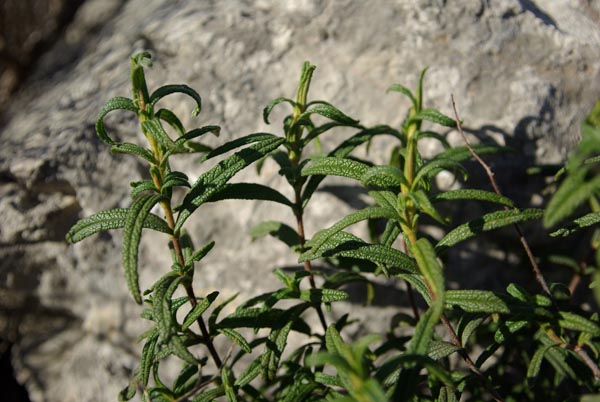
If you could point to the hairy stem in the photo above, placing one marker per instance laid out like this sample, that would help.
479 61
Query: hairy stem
536 269
188 287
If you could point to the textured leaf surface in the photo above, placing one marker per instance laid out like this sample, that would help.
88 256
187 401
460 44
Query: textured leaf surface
473 194
177 88
536 362
336 167
133 149
485 223
118 103
434 116
212 181
134 223
238 142
405 91
198 310
476 301
267 110
579 223
111 219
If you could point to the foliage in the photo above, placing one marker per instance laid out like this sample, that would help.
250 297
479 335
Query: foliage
470 344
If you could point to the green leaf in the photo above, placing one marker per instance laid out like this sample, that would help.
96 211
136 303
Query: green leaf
111 219
582 222
327 110
279 230
429 266
459 154
171 89
336 167
384 177
175 179
249 191
405 91
433 116
440 349
485 223
155 128
472 194
179 349
317 131
238 142
132 149
424 204
128 392
118 103
368 213
198 310
476 301
186 380
433 167
210 395
318 296
573 192
436 136
212 181
536 361
260 318
171 119
375 253
200 254
134 223
267 110
508 328
147 359
250 373
237 338
576 322
198 132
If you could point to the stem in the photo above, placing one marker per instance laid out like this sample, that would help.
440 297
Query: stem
188 287
536 269
307 264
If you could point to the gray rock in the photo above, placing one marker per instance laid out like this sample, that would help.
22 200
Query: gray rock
523 73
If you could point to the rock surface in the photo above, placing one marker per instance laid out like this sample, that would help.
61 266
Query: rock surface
523 73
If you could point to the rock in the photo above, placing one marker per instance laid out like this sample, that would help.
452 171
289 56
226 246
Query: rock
523 73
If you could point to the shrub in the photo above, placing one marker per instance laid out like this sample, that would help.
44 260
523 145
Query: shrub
470 344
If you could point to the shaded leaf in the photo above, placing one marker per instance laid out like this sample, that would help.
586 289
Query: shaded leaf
476 301
267 110
472 194
485 223
279 230
118 103
178 88
196 312
132 149
249 191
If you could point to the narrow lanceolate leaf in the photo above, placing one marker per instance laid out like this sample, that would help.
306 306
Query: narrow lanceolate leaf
336 167
333 341
429 266
197 132
171 89
237 338
111 219
583 222
473 194
485 223
134 223
148 357
330 245
267 110
405 91
536 362
440 349
476 301
424 330
434 116
210 395
212 181
251 372
118 103
367 213
384 177
238 142
327 110
250 191
576 322
154 128
433 167
198 310
424 204
227 379
317 296
179 349
171 119
200 254
571 194
132 149
279 230
463 153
